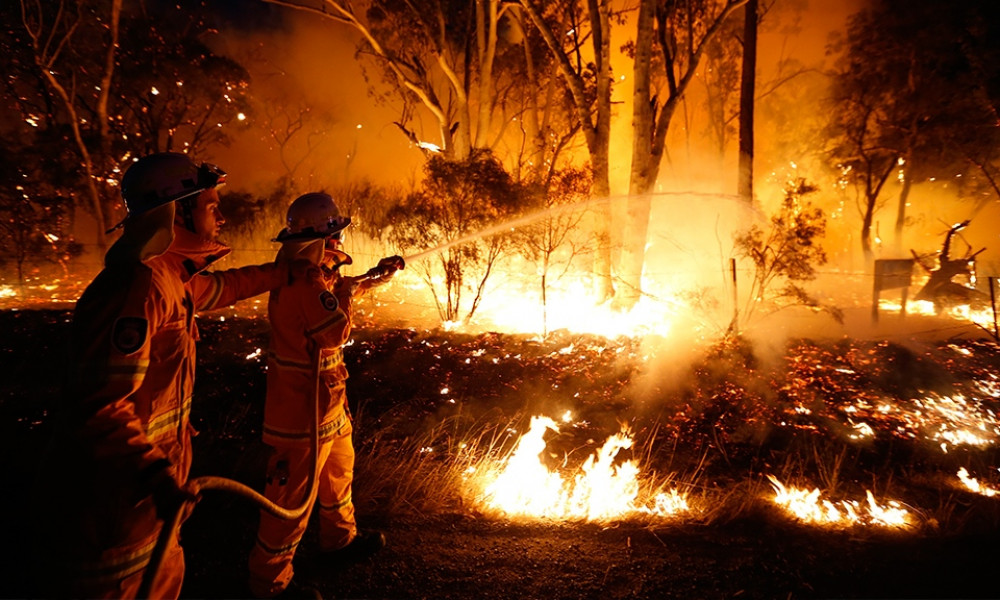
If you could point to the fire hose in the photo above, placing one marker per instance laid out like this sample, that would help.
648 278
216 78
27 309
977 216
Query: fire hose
211 482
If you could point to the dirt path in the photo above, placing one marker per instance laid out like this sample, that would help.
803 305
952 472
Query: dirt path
467 558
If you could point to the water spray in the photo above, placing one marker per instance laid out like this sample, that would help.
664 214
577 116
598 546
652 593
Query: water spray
549 212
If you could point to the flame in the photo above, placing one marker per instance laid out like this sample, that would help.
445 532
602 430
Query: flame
973 484
567 308
808 507
601 491
962 312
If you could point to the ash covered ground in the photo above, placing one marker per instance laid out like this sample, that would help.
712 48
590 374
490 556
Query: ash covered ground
847 415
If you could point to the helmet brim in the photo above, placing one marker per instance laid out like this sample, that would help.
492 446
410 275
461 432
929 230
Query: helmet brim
286 235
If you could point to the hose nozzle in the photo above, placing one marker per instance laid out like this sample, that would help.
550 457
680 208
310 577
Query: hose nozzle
385 268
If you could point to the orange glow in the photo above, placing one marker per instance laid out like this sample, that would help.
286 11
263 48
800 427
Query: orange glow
601 490
973 484
807 506
964 312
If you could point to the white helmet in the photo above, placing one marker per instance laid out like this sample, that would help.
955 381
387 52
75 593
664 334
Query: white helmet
164 177
312 216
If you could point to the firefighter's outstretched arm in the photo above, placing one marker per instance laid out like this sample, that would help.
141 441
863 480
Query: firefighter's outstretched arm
218 289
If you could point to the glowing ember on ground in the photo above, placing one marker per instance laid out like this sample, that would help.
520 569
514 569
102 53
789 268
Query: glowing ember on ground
973 484
602 490
953 420
826 387
807 506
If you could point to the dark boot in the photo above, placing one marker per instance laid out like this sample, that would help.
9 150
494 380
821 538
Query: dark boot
363 546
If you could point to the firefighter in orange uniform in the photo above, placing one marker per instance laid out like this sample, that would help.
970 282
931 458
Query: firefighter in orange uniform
310 322
120 457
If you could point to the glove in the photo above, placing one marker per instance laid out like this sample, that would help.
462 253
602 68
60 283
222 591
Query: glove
169 496
386 268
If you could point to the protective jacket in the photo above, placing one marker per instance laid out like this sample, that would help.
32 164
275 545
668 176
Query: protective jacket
126 418
310 321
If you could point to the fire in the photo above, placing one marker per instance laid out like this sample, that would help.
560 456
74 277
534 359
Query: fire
807 506
515 307
973 484
946 421
963 312
600 491
646 317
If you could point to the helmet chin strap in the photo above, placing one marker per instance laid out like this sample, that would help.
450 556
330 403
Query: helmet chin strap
310 250
185 210
334 259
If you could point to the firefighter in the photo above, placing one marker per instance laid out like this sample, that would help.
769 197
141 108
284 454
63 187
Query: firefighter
310 322
121 453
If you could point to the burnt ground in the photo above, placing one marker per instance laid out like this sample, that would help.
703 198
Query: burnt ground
728 407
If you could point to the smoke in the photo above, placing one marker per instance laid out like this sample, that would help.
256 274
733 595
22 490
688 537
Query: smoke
310 63
314 120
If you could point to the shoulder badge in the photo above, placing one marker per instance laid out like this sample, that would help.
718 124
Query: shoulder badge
129 334
329 301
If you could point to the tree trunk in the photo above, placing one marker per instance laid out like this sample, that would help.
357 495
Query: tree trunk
600 145
486 38
595 120
640 182
866 232
873 187
649 129
747 92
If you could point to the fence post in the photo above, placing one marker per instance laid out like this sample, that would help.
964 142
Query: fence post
736 306
891 273
993 305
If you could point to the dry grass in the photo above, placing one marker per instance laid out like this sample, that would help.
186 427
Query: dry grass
445 469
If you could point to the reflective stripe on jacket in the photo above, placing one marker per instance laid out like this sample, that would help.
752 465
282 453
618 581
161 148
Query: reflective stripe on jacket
128 401
306 318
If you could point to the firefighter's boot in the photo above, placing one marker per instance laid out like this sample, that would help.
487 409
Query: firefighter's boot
364 545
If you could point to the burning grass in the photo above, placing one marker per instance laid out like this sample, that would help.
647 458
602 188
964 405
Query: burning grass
866 424
578 428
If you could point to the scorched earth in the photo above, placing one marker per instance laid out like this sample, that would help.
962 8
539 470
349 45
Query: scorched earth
845 468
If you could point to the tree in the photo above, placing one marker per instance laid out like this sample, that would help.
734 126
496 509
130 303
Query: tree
681 33
35 220
748 88
60 46
909 98
175 93
565 191
580 41
786 254
98 83
458 201
439 55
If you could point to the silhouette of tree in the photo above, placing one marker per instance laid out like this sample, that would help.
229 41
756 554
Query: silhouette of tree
909 99
458 201
97 84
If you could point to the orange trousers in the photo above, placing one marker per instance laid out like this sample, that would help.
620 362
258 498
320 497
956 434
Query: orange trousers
287 481
117 573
